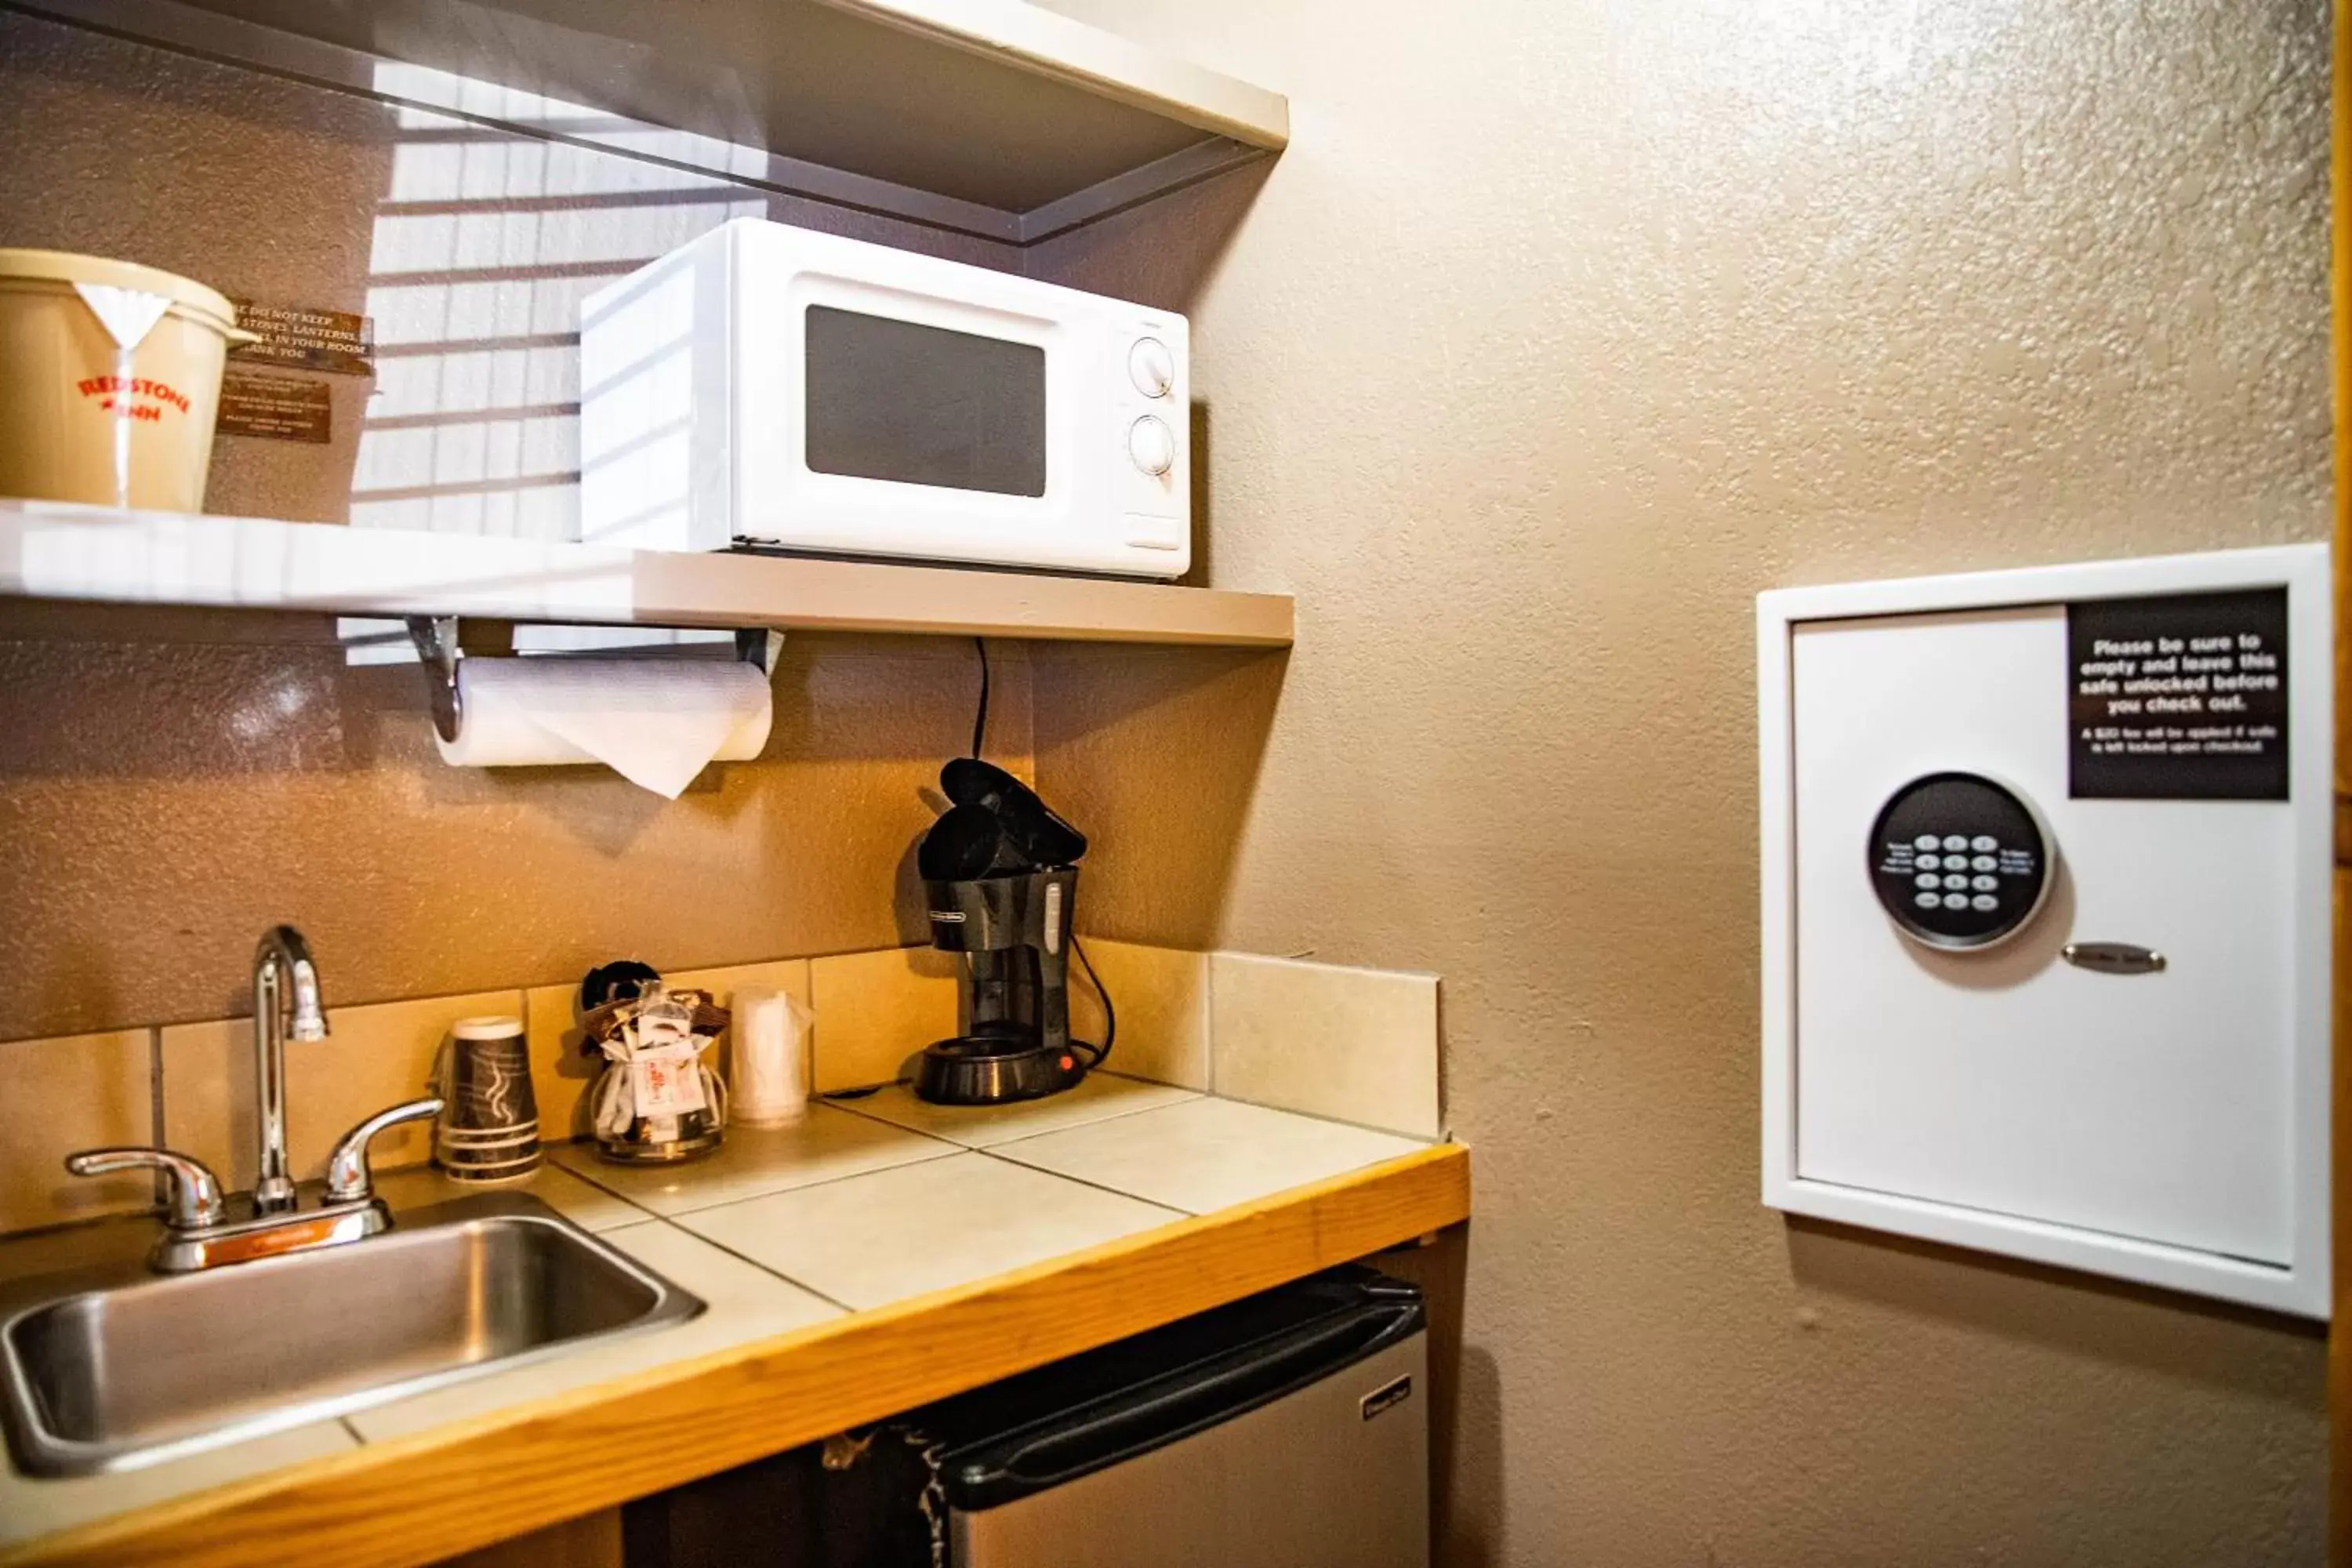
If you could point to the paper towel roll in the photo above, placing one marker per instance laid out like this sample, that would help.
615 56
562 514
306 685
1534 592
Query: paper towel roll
657 723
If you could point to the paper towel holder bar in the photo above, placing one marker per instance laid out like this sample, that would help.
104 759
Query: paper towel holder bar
436 637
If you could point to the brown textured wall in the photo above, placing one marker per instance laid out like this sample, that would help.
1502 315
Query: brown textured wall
223 787
170 785
1560 330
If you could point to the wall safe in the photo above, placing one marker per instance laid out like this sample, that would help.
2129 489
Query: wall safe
2045 866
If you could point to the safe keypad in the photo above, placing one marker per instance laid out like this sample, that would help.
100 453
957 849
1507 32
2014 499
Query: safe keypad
1958 860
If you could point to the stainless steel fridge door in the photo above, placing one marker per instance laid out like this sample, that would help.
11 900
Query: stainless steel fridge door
1333 1475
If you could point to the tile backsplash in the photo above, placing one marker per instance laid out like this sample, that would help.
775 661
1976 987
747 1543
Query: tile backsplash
876 1009
560 1068
1355 1045
1352 1045
373 1058
79 1091
1161 996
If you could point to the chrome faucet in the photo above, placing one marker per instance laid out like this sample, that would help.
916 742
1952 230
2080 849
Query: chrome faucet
284 1002
202 1228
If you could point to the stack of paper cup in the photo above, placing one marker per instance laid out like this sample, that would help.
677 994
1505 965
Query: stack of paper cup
769 1067
488 1130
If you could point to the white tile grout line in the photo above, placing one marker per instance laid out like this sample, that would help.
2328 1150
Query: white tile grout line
1162 1203
1423 1140
1191 1094
1209 1013
155 1111
1174 1214
672 1220
773 1271
946 1149
1083 1182
769 1269
647 1214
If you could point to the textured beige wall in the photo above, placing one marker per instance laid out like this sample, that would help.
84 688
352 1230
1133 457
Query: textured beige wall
1563 328
170 785
215 788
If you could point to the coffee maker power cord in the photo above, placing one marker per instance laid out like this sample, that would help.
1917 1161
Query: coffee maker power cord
1100 1054
1110 1014
979 720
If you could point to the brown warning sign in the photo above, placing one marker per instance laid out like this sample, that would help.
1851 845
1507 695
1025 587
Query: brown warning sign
276 407
334 340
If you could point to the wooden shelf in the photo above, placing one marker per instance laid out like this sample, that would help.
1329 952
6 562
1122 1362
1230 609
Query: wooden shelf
988 117
54 550
420 1499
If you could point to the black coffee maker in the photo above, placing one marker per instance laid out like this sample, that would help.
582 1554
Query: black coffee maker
1000 877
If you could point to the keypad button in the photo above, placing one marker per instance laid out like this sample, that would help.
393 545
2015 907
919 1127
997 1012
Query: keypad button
1984 862
1929 900
1984 844
1954 841
1984 902
1955 900
1956 881
1927 879
1985 884
1930 862
1926 841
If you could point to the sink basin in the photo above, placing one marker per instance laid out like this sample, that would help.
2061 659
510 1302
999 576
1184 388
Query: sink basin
158 1367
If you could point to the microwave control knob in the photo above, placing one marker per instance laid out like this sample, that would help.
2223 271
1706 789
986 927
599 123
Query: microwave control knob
1154 372
1152 444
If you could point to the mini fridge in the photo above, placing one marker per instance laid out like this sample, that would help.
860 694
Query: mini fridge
1290 1430
1287 1430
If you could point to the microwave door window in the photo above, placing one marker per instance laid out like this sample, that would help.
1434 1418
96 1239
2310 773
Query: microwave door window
923 405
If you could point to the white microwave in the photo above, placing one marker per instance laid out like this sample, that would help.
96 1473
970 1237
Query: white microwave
767 385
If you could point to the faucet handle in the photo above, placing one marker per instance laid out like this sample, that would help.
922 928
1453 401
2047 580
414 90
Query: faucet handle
196 1202
348 1177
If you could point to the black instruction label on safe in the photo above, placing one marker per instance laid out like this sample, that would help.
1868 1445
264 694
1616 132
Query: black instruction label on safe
2179 698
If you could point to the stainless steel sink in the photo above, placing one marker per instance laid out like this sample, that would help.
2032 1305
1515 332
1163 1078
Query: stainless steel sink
115 1375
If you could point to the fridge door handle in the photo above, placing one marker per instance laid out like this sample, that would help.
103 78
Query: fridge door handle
1163 1412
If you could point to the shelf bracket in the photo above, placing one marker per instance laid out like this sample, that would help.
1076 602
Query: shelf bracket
760 647
436 637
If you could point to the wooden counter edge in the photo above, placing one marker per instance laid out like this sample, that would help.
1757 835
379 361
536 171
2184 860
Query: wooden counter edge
473 1482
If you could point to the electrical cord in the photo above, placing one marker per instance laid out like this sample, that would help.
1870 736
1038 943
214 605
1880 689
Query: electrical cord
979 720
1100 1054
1097 1055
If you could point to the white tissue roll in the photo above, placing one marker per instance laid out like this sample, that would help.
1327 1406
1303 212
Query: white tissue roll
657 723
769 1064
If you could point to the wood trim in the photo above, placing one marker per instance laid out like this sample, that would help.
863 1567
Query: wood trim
466 1485
2339 1341
2339 1334
2340 388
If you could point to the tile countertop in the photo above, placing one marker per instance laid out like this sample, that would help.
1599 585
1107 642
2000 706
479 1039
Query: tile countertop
863 1203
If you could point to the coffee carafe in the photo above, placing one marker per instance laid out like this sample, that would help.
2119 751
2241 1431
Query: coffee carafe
1001 877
